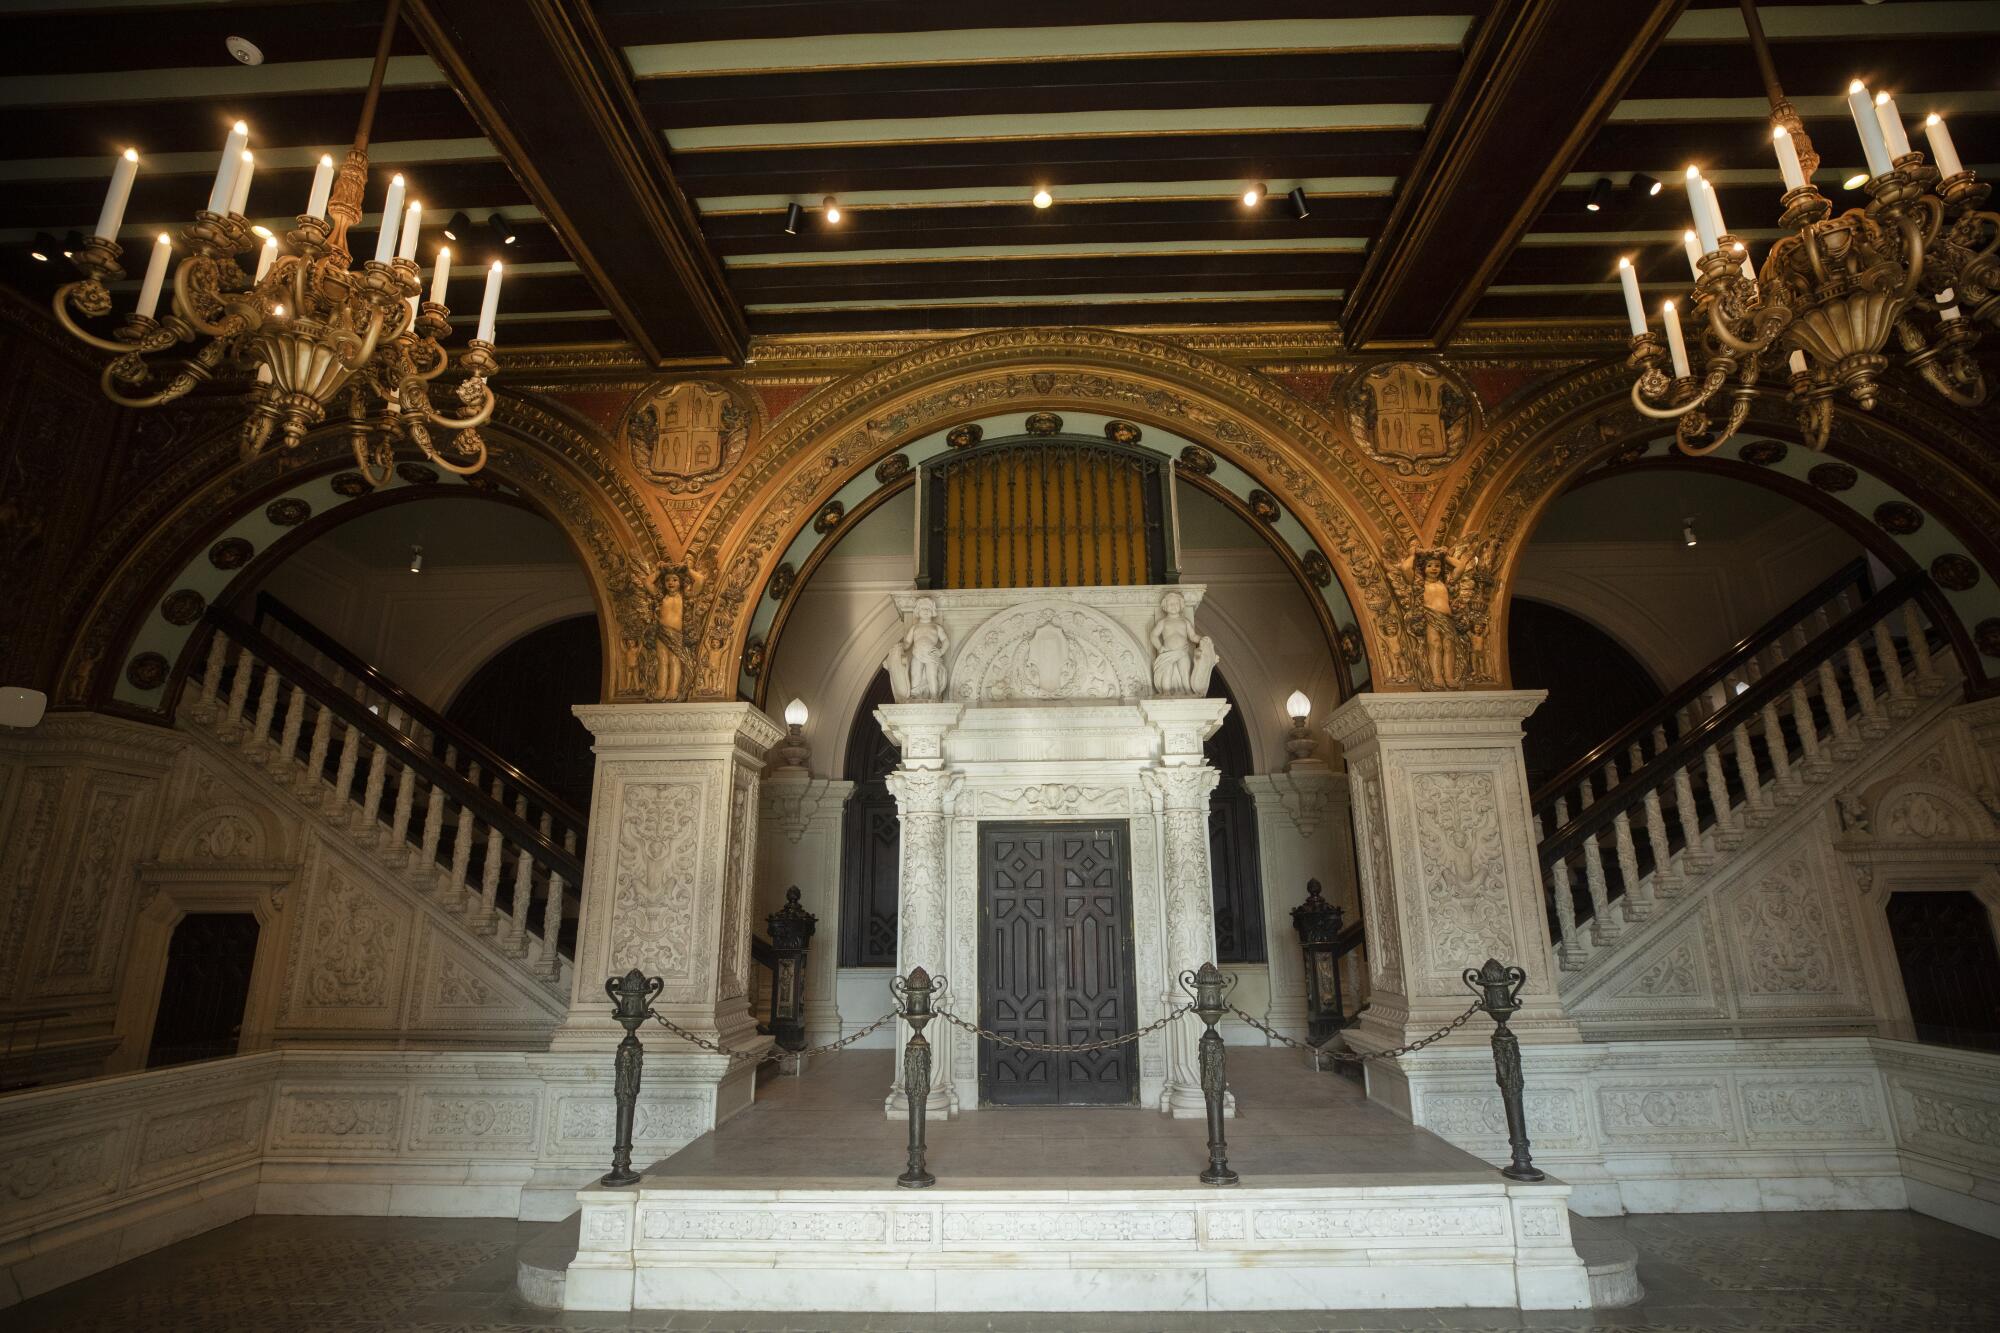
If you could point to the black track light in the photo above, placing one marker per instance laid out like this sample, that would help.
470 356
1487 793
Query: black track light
1254 195
458 228
44 247
1298 198
503 230
1641 183
1600 194
792 215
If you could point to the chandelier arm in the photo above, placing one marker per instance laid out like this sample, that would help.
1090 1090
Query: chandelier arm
193 371
418 417
361 438
1815 418
191 277
1768 322
80 291
1913 252
1717 376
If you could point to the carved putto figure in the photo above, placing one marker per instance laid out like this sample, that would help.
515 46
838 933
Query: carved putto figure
651 600
916 663
1441 610
1183 658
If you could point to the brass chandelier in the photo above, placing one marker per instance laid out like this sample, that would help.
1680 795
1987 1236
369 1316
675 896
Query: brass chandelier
305 325
1916 264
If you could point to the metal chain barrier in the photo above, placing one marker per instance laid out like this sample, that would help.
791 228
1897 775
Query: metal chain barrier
1060 1047
761 1056
1351 1057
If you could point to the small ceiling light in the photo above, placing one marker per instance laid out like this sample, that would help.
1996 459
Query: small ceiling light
1641 183
1298 198
1043 198
416 559
792 215
458 228
795 713
1600 193
42 246
501 228
1687 532
245 50
830 208
1254 195
1855 182
72 242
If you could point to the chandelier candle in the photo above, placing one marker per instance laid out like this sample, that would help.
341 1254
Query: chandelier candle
1873 146
239 186
440 274
392 213
1676 345
1704 221
225 172
1942 147
406 242
156 276
116 197
1788 158
490 306
265 257
322 187
1893 137
1693 248
1635 311
1713 202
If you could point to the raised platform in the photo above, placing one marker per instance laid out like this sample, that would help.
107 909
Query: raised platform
792 1205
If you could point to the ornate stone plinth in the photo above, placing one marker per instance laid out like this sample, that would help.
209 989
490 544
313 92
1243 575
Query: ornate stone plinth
667 884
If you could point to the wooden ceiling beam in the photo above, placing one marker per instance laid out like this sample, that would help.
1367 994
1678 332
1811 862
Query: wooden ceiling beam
1540 78
555 97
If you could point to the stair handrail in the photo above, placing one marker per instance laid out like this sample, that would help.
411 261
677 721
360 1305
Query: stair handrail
462 740
1773 684
1732 657
397 743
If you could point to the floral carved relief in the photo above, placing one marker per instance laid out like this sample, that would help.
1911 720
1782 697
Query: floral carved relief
1462 869
1787 941
654 886
354 945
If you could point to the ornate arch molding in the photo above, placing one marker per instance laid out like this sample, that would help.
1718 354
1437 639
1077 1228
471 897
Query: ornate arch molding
231 518
1877 473
852 425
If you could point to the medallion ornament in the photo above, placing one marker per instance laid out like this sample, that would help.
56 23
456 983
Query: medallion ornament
230 553
1043 423
1763 453
1318 570
829 517
1413 416
782 582
147 671
1954 572
1986 636
1263 506
1197 460
964 437
350 484
1899 517
183 606
684 434
1122 432
1833 477
288 512
893 468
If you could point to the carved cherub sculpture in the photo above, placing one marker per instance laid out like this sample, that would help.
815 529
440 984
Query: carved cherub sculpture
1183 658
916 663
1442 610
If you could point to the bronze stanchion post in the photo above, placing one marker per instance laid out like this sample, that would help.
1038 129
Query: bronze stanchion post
914 996
632 997
1210 988
1499 988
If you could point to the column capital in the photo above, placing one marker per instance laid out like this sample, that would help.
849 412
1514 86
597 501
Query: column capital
705 731
1183 725
923 791
918 731
1181 786
1470 717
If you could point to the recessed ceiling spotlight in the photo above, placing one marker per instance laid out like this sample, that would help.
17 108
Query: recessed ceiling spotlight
502 229
1043 198
245 50
1855 182
42 247
1254 195
1600 193
458 228
1641 183
830 209
792 215
1298 198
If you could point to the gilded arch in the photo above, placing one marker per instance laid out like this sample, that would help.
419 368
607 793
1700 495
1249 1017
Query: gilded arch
830 437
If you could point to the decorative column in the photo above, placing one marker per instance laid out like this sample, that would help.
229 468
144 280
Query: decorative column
1449 876
1303 832
925 791
799 844
667 882
1180 789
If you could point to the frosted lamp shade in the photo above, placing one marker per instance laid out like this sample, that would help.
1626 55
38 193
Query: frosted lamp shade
795 713
1298 706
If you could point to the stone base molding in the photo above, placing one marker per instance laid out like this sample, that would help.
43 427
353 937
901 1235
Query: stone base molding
1447 859
1308 1245
93 1174
1800 1124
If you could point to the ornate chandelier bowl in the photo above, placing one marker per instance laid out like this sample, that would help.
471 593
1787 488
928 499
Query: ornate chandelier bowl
1831 295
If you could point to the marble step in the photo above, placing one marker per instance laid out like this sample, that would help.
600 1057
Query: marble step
1608 1257
542 1263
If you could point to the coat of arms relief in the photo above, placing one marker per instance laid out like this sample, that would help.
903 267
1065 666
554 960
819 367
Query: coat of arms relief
686 434
1412 416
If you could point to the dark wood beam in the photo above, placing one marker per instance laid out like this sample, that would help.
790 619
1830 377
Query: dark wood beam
555 97
1540 78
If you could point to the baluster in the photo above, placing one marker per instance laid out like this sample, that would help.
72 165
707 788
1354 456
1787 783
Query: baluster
552 916
1920 644
1718 789
489 880
1684 810
1864 684
1609 775
211 676
1656 832
371 795
288 735
1746 768
433 829
1892 662
322 736
239 689
267 707
1638 897
1829 693
461 854
524 889
1802 719
1774 742
1600 897
406 797
343 781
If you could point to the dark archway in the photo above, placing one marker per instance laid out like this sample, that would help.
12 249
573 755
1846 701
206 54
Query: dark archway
1233 862
1595 686
206 988
1951 969
871 838
519 704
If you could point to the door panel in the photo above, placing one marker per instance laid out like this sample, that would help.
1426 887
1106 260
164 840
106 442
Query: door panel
1055 962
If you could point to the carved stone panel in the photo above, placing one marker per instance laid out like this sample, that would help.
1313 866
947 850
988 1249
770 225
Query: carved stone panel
1462 870
653 922
1050 650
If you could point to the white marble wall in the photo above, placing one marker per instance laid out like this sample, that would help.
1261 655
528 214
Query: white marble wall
800 846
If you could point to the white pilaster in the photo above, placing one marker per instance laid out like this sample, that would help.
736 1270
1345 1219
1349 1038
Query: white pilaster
667 883
1303 832
1449 876
799 846
925 791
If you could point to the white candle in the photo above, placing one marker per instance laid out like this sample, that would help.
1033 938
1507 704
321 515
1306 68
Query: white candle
412 303
1942 149
490 306
1704 221
115 198
392 213
322 187
1693 248
440 274
1628 278
1891 122
156 275
406 241
1714 203
1676 347
1798 362
1948 304
265 259
1788 158
225 172
1748 270
239 188
1873 146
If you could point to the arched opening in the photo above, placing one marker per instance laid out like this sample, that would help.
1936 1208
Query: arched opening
1950 966
870 839
1233 862
206 988
1594 683
521 702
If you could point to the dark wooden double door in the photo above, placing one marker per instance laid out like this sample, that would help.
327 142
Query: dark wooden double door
1055 962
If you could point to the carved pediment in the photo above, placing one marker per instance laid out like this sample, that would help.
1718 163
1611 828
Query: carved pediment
1047 650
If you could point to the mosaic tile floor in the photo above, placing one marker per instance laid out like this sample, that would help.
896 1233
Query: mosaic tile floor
1802 1273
